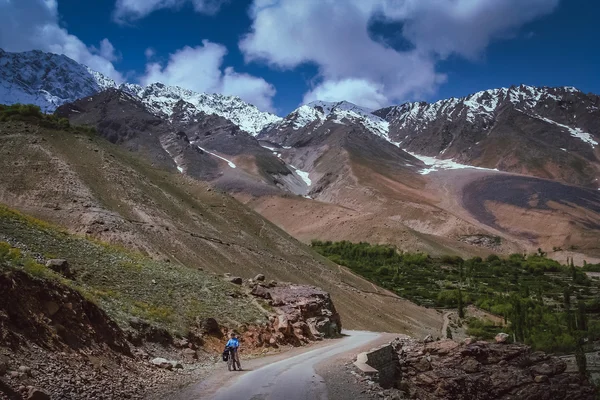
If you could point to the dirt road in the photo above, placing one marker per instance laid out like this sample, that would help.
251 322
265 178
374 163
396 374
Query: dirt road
289 376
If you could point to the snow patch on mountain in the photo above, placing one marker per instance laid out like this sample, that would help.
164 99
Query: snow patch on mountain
436 164
231 164
303 175
575 132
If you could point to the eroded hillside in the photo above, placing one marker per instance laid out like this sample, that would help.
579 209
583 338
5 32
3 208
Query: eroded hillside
94 188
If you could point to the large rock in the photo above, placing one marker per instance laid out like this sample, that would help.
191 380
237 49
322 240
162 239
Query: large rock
209 326
60 266
303 312
447 370
259 278
236 280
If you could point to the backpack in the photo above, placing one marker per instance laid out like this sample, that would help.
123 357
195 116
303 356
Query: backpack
226 354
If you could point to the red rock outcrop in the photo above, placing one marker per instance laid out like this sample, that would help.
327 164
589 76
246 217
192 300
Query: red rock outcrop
302 313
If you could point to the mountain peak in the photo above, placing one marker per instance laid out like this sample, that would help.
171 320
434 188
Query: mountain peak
340 112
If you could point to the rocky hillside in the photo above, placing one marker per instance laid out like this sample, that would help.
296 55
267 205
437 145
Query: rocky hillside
89 186
204 146
98 307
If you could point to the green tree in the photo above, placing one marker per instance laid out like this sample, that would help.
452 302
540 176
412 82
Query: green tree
461 311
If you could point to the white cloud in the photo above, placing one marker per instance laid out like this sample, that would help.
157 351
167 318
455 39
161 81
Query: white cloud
249 88
107 51
358 91
335 36
149 53
33 24
200 69
130 10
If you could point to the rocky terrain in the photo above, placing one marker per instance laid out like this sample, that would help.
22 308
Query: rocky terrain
64 335
477 370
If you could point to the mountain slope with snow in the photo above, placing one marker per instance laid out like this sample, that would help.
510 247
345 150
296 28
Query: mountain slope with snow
47 80
51 80
317 113
162 100
545 132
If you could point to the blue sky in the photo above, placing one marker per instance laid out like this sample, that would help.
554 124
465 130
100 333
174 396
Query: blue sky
281 53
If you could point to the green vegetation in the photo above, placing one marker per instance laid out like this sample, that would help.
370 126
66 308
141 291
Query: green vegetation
123 283
33 114
550 306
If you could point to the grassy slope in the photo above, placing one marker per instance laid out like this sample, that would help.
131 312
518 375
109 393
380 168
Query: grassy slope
126 284
89 186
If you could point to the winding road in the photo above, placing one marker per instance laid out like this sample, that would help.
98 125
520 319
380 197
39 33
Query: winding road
290 378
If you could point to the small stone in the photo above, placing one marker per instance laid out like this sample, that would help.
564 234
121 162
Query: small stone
428 339
502 337
25 370
541 378
259 278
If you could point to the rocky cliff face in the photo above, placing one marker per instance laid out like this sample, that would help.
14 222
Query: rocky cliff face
449 370
303 313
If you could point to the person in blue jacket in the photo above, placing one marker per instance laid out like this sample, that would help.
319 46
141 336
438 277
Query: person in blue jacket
234 344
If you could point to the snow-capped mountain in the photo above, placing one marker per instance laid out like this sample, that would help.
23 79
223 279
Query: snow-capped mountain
546 132
47 80
556 106
162 99
50 80
317 113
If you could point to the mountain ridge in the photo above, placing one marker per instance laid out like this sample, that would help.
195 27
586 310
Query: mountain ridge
50 80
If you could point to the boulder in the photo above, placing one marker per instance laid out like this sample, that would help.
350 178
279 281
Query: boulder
166 364
282 323
235 280
60 266
37 394
261 291
209 326
502 337
259 278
